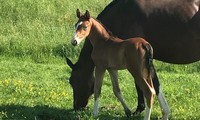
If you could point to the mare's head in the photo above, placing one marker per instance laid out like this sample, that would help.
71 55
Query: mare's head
81 84
82 27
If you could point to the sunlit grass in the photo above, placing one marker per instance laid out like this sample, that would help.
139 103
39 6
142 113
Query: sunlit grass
30 90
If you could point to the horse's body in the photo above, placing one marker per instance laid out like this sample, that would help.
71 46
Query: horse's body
172 27
112 54
168 25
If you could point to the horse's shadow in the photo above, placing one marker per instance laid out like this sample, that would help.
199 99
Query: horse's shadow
18 112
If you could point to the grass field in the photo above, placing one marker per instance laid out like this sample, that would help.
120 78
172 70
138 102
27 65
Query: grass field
34 77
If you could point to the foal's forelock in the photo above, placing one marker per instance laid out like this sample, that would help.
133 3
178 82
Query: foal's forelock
75 39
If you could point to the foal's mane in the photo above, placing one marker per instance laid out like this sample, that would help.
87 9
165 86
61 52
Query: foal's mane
109 32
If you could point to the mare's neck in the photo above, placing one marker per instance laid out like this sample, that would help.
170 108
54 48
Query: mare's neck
98 34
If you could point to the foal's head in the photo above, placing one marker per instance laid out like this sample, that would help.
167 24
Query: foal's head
82 27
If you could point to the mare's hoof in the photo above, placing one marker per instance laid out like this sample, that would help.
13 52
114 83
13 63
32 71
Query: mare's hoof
136 113
81 109
128 113
139 110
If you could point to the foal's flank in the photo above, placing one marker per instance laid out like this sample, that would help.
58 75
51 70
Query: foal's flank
113 54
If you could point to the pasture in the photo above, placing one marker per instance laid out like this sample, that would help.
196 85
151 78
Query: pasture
34 76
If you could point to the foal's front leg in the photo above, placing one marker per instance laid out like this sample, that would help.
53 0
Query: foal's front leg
117 91
99 74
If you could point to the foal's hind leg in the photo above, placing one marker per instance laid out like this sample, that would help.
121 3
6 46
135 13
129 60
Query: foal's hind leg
149 93
117 92
148 90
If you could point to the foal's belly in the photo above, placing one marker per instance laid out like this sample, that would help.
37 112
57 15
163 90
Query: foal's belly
109 58
117 64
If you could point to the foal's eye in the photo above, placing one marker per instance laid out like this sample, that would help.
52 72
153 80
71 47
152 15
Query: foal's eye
84 28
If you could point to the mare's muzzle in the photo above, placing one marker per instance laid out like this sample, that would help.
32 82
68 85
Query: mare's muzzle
74 42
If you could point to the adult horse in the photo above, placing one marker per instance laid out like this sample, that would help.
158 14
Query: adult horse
169 26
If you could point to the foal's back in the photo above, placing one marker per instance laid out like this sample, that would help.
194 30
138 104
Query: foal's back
119 54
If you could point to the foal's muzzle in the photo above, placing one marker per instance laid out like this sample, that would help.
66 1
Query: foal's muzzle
74 42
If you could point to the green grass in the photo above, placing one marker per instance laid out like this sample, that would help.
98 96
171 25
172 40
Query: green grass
30 90
34 76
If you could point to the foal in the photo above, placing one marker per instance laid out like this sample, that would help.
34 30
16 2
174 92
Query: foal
112 54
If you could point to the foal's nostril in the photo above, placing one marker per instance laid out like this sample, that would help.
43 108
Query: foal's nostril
74 42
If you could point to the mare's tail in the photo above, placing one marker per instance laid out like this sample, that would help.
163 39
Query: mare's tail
149 59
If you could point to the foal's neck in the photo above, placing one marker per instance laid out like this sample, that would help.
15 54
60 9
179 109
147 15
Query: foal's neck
98 32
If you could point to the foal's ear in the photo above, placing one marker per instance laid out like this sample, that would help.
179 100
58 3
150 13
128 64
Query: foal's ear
69 62
87 15
78 13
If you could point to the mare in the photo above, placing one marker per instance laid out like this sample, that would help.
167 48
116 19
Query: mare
171 27
112 54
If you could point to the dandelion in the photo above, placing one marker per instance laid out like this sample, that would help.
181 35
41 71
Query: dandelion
187 90
64 94
53 95
30 87
6 82
181 109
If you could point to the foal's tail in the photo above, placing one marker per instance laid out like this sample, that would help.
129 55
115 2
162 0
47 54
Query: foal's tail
149 59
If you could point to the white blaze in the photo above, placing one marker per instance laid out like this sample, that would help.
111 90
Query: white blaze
75 37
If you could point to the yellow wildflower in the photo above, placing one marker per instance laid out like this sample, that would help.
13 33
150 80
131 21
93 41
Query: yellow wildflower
6 82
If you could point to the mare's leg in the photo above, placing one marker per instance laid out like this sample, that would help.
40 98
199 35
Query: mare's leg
161 98
99 73
146 85
117 91
141 103
164 105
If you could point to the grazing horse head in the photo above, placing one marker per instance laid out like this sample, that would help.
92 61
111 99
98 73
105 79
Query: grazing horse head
82 27
82 88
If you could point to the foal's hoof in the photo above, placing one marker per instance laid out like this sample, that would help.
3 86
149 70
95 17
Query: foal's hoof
164 117
128 113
